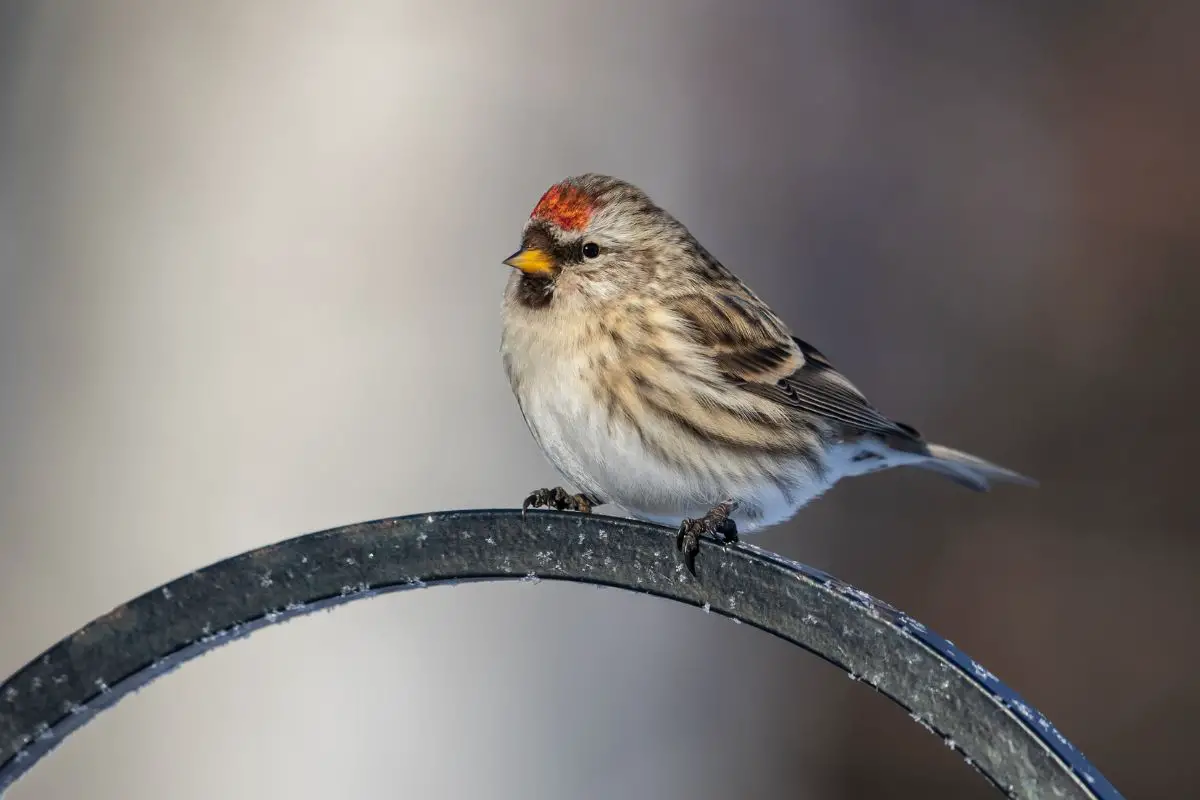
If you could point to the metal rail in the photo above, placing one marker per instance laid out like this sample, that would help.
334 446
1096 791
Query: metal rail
1003 737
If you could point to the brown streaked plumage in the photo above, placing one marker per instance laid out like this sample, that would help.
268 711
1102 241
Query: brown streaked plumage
654 379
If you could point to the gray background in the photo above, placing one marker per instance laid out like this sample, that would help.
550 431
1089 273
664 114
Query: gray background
249 287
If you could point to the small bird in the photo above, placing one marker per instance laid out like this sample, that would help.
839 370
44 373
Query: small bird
654 379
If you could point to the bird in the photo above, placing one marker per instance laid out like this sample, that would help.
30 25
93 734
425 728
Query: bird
655 380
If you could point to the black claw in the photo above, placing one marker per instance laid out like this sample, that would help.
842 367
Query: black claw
688 543
559 499
538 498
727 528
715 523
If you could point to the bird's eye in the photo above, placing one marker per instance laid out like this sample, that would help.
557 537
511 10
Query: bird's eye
591 250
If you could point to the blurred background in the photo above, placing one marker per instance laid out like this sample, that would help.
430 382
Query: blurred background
250 287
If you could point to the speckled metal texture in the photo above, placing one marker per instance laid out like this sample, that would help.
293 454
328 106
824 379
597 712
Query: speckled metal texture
943 690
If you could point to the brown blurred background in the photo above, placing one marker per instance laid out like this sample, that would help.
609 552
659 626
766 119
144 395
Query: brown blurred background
249 287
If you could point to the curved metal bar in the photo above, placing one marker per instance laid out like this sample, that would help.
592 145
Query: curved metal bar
945 691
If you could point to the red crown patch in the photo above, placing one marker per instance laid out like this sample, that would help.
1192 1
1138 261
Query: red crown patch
565 206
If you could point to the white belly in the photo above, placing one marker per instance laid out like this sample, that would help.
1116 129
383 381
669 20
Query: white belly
604 457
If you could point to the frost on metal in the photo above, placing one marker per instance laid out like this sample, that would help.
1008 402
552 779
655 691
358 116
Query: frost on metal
943 689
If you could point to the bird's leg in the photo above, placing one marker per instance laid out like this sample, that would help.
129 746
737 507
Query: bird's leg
716 523
559 499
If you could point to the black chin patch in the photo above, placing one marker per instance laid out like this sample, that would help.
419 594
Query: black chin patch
534 291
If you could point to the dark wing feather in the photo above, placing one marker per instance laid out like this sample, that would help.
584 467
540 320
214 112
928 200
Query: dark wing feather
744 343
818 388
755 351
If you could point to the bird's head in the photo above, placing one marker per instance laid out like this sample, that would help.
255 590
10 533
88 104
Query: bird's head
596 236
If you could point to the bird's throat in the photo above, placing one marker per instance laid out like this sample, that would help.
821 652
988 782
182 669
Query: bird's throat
535 291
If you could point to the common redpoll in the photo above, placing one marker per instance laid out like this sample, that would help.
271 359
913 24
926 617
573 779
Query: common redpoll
654 379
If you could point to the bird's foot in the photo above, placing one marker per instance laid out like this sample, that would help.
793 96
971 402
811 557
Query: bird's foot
559 499
715 523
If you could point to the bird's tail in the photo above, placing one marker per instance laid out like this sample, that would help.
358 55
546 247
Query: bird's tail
968 470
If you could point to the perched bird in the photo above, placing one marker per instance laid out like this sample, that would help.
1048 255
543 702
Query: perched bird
654 379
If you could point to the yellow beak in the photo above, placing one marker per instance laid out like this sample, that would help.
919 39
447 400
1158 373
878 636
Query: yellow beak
532 261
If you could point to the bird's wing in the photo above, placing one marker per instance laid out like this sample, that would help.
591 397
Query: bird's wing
819 387
743 339
754 349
